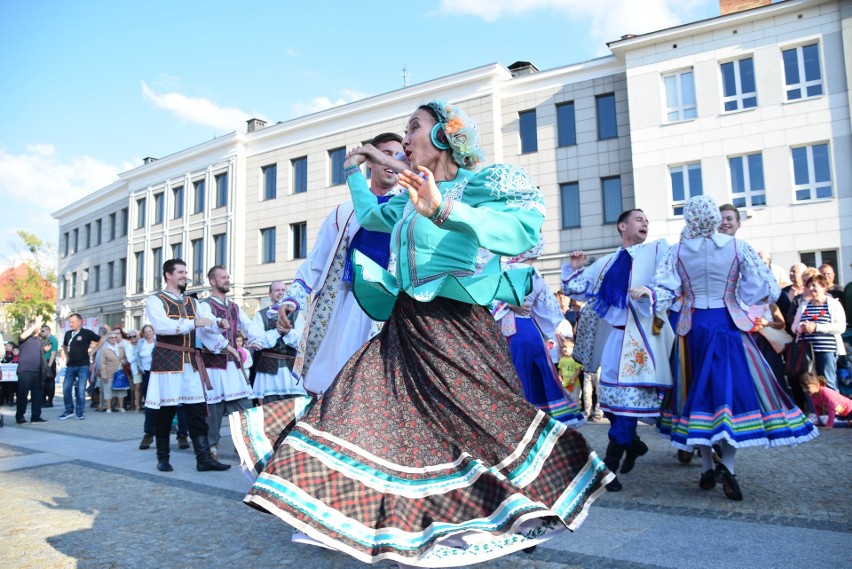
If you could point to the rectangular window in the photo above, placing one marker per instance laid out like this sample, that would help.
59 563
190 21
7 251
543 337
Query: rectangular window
197 261
84 285
98 227
177 198
611 198
140 213
177 251
66 243
220 249
110 275
73 284
607 125
270 181
87 235
76 240
159 207
529 131
747 187
300 174
221 190
570 198
812 172
566 124
198 196
157 265
125 222
140 271
802 73
299 238
63 291
122 271
680 96
112 226
95 277
686 183
817 258
739 90
267 239
335 160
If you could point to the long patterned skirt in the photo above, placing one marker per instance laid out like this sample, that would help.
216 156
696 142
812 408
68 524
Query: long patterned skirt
724 389
422 451
538 376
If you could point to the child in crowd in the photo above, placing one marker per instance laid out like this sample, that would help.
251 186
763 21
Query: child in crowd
569 370
826 401
245 355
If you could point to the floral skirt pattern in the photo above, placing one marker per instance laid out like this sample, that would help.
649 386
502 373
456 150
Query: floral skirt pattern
724 389
538 376
422 451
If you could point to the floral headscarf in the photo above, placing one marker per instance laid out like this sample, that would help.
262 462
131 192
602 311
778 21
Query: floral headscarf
702 217
461 131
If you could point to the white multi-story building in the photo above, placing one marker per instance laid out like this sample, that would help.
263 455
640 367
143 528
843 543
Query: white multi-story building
751 107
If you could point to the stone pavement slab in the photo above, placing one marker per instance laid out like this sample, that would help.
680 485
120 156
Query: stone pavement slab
79 494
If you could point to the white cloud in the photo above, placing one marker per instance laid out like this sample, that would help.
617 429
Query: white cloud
322 103
198 110
607 20
38 182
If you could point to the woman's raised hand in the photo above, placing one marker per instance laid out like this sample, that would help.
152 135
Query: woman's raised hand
422 190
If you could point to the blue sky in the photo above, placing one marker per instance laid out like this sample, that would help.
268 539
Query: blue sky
92 87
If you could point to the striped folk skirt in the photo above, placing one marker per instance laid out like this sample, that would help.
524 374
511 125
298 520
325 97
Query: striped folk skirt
542 387
422 451
724 389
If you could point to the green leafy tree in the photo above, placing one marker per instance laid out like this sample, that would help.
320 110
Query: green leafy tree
29 291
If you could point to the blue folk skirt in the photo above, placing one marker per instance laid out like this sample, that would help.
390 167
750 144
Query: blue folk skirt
724 389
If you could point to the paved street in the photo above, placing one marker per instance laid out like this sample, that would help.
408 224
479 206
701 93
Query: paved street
81 494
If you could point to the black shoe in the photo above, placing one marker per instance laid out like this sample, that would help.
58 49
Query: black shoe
529 550
20 421
48 405
637 449
163 454
39 420
708 480
614 486
729 483
203 461
684 456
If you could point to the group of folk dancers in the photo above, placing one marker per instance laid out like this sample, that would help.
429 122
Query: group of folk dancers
406 435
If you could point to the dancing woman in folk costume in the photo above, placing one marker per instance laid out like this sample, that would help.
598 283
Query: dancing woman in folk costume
724 391
423 450
528 328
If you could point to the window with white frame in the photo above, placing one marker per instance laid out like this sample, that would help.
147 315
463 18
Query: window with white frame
811 172
802 73
299 240
680 96
267 241
570 199
739 90
686 183
747 186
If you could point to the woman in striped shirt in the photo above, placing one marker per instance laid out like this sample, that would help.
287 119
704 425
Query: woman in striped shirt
820 321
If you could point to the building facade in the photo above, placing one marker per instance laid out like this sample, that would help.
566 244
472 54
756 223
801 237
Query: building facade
751 107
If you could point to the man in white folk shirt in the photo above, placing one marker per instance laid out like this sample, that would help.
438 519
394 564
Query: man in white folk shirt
175 366
229 378
273 380
635 359
335 325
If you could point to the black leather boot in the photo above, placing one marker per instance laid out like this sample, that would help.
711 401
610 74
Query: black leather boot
637 449
614 452
163 454
203 461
